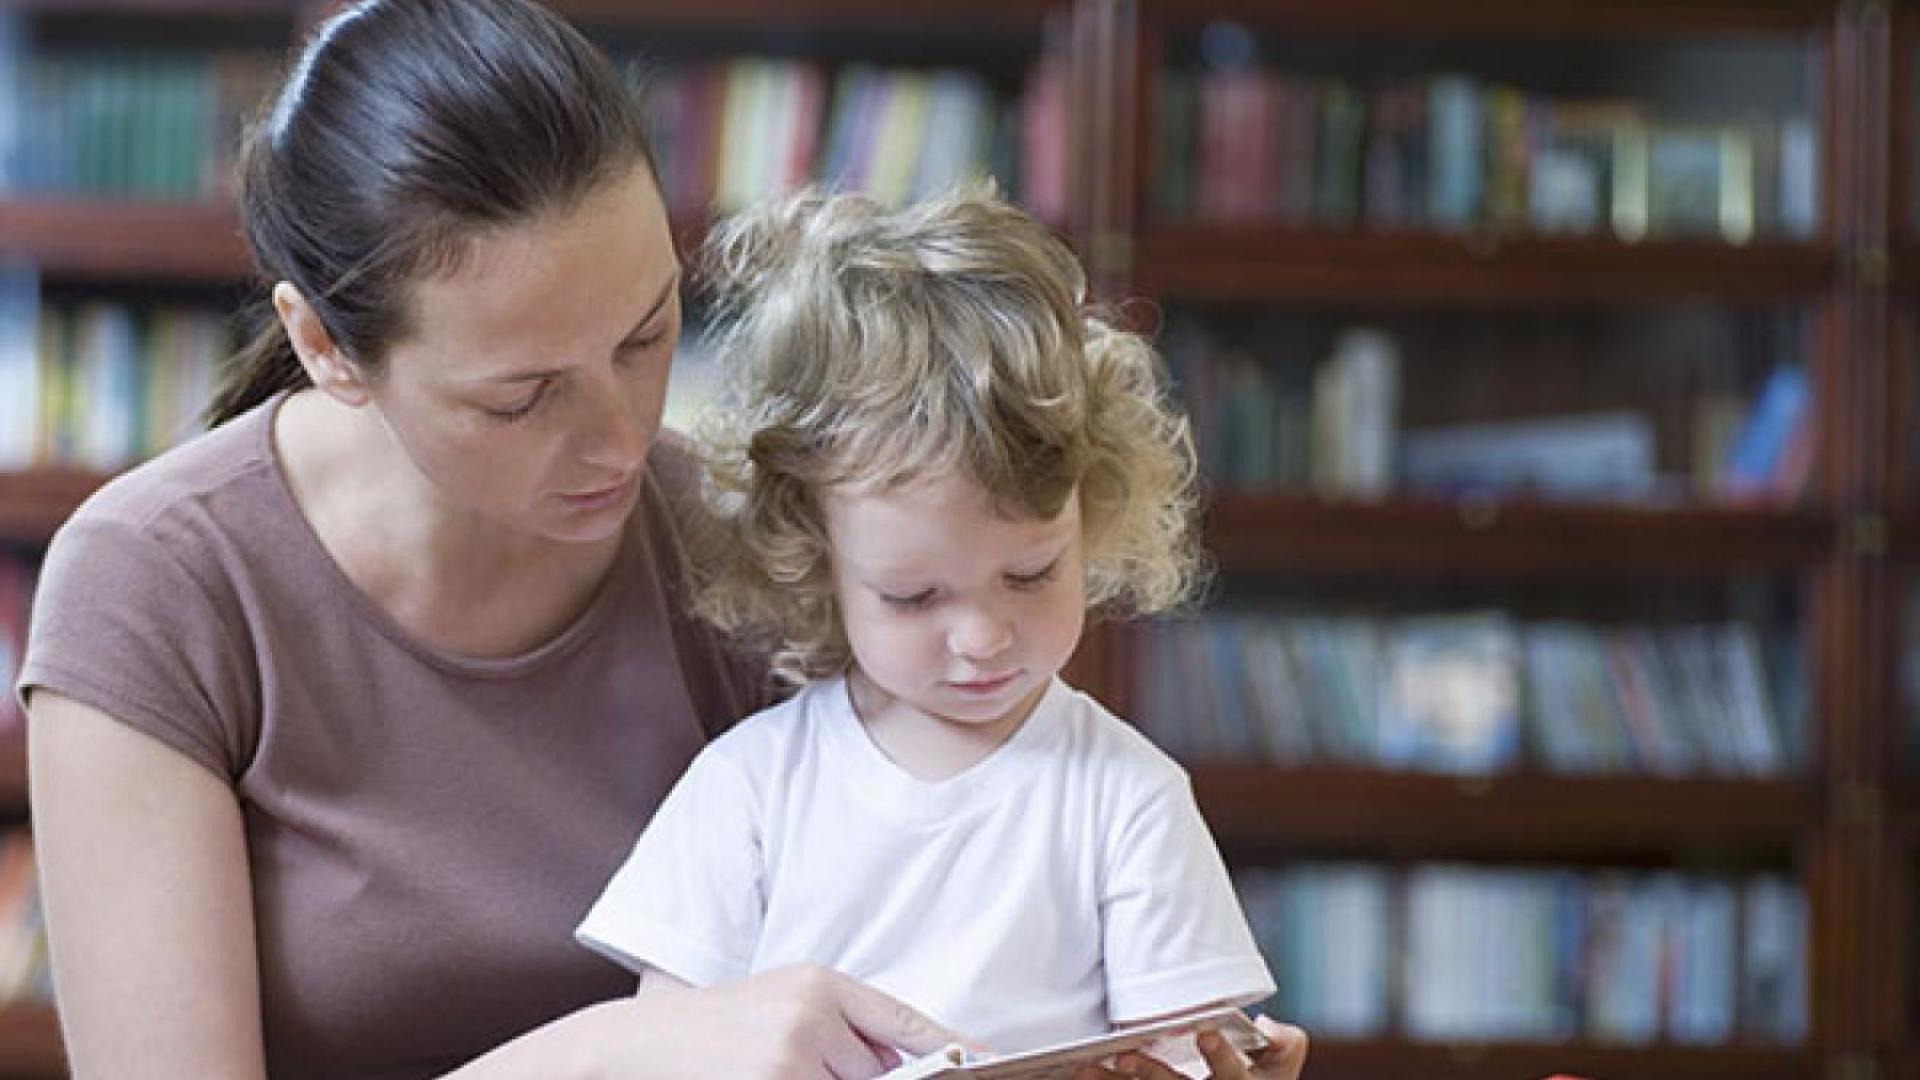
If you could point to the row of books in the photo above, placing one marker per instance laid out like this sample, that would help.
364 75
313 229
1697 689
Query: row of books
728 133
1474 694
149 124
99 384
1332 425
16 597
1450 953
1451 151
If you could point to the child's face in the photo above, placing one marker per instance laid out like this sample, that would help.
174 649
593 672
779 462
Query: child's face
950 609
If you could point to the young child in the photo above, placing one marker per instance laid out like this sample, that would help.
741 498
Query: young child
932 462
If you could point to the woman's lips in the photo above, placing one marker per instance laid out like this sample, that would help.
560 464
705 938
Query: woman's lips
596 500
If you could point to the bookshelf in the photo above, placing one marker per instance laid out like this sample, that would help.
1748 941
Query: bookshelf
1830 545
1846 826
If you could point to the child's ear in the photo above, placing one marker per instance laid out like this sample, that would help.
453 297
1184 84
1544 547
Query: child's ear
329 368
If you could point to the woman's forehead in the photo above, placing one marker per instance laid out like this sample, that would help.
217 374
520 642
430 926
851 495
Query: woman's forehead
557 281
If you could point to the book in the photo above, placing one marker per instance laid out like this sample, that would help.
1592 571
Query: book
1171 1041
1592 456
1451 699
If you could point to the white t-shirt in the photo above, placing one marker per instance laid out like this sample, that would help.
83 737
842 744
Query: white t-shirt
1062 885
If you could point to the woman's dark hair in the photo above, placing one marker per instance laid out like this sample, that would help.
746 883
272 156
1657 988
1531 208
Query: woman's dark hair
407 127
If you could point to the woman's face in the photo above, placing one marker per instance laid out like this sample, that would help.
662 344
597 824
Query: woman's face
530 386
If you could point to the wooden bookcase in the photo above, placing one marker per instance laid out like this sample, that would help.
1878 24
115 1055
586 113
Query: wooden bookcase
1849 829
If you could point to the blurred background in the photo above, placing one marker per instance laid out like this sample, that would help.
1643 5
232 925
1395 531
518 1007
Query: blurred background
1557 701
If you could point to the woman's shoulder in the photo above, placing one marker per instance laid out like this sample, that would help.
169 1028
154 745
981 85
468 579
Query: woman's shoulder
216 473
673 465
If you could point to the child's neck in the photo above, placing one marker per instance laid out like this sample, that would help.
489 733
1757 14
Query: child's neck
931 748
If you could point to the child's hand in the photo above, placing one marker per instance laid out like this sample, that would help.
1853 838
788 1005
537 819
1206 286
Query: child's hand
1284 1057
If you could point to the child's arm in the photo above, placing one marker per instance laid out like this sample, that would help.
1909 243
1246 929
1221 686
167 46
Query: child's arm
653 980
1127 1025
1174 938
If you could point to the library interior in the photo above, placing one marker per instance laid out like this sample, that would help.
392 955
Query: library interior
1553 371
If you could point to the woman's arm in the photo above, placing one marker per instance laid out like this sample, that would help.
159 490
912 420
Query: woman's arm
143 867
149 912
795 1023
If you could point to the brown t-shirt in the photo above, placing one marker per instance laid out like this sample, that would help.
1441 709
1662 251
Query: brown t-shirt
424 830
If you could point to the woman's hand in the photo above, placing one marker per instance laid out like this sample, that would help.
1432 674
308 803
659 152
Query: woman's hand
803 1022
1285 1055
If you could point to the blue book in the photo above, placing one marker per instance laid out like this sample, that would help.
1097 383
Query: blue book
1763 439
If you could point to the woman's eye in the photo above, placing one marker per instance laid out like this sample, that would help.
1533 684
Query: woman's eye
645 344
517 412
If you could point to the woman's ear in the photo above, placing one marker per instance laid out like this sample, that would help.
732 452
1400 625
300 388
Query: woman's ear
326 365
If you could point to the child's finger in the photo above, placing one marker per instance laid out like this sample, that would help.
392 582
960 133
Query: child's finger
1223 1061
1286 1051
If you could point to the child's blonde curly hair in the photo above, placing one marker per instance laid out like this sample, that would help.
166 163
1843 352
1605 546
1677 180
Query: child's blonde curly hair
859 346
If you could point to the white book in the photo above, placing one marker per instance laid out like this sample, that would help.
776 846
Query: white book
1171 1041
1704 942
959 123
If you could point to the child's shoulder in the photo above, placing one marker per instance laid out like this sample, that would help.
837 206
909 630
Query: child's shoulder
1116 745
782 727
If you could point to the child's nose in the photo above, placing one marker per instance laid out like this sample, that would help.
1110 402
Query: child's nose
981 635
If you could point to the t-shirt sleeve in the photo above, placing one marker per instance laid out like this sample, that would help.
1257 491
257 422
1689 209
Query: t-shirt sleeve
1174 936
121 624
689 899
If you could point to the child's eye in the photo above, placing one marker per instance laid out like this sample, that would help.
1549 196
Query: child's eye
522 410
1035 579
909 603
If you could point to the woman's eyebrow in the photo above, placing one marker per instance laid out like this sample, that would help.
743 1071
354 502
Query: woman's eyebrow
658 303
548 373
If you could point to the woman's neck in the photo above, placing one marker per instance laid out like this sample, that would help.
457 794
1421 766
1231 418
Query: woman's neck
452 578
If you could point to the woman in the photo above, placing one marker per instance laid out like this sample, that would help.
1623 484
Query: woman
341 713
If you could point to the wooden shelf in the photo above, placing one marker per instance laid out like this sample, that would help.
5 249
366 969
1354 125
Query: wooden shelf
1504 18
1268 812
161 9
13 770
33 504
856 13
103 238
30 1043
1206 263
1903 536
1903 269
1330 1059
1290 533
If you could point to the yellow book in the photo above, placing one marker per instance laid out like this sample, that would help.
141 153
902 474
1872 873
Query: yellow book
900 138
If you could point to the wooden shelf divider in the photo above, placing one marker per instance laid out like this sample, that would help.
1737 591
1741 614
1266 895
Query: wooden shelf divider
102 238
33 504
1297 532
1333 1059
1523 816
1199 263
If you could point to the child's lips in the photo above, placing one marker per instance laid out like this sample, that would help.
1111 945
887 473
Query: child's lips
984 686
